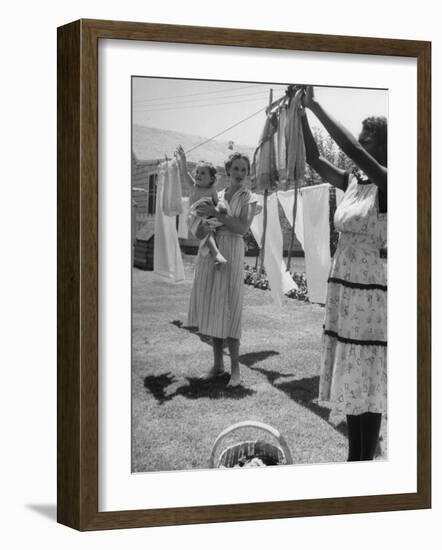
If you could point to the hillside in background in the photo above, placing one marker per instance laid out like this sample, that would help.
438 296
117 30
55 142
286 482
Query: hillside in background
154 143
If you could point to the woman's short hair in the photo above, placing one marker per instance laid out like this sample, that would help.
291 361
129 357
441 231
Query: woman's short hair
377 125
231 160
210 167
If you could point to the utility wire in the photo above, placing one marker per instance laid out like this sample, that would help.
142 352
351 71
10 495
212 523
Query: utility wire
205 105
195 101
267 109
226 130
163 98
275 103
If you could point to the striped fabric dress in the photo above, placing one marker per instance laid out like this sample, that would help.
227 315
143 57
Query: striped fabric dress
216 301
354 354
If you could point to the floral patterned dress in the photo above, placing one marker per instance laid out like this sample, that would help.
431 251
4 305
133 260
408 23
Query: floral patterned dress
354 353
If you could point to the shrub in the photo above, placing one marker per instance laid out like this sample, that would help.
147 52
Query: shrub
251 277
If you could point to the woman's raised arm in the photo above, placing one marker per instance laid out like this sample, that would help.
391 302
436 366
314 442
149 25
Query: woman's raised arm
328 171
348 143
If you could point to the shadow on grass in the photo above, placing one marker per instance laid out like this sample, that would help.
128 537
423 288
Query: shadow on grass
193 330
193 388
247 359
305 392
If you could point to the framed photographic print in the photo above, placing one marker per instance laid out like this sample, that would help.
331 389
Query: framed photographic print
224 257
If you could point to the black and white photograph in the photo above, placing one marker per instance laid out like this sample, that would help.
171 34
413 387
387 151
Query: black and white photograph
259 274
187 293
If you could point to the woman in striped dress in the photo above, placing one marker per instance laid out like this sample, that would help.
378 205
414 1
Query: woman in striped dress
354 354
216 301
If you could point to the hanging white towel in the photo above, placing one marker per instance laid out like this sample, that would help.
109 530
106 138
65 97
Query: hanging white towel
339 196
171 203
286 200
279 279
183 229
316 207
167 259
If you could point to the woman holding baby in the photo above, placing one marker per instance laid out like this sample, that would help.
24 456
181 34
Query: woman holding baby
217 295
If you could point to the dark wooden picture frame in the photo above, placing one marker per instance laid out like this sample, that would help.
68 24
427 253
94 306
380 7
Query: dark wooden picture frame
77 225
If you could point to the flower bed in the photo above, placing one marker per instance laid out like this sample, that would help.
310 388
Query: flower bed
251 277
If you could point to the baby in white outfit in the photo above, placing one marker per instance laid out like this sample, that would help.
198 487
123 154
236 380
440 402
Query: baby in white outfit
203 191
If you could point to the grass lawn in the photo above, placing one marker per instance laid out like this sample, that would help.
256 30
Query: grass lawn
176 416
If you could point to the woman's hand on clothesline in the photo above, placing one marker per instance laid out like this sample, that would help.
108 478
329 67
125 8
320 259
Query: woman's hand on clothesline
308 99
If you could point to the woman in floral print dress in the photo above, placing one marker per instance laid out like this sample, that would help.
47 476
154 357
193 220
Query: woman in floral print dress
354 354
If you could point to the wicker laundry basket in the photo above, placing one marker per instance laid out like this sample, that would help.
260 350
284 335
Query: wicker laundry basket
241 453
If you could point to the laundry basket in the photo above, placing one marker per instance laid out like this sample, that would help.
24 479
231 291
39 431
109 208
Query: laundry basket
244 452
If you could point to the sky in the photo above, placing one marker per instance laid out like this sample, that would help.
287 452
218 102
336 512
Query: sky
205 108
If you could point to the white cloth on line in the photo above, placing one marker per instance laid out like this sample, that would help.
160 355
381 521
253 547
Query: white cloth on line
171 203
286 200
167 259
183 229
315 202
339 195
279 279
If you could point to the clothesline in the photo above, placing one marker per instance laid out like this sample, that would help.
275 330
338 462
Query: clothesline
226 130
268 109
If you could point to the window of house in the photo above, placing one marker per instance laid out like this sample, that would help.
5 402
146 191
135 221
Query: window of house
152 194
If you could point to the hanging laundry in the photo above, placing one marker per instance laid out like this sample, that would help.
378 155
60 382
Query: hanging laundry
264 171
339 196
295 140
183 229
286 200
315 203
281 146
279 279
167 259
171 204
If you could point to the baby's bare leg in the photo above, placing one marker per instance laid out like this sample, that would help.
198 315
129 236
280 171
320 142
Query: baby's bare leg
214 251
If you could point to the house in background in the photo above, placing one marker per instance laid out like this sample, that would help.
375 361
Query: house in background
150 147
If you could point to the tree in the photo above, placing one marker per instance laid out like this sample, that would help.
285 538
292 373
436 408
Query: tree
330 151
